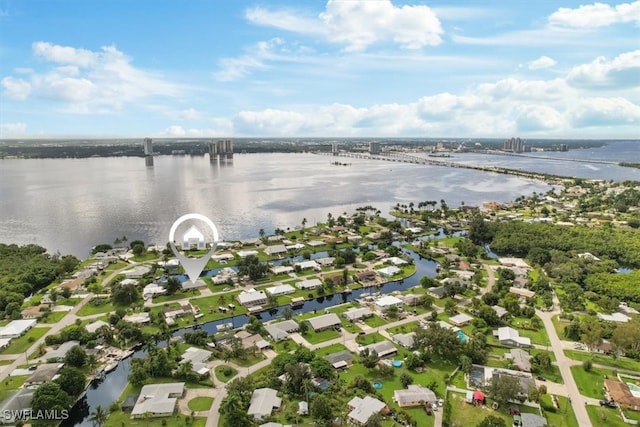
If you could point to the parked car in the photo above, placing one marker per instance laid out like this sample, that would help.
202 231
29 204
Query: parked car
608 403
541 378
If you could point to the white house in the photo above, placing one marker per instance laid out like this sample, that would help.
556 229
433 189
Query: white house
323 322
307 265
387 302
198 358
193 237
15 328
614 317
275 250
153 289
395 261
460 319
364 408
356 313
389 271
382 348
309 284
252 298
414 395
137 272
282 269
244 254
263 402
280 290
510 336
157 400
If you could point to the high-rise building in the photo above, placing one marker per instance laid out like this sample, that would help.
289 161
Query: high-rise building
147 144
221 149
374 147
515 145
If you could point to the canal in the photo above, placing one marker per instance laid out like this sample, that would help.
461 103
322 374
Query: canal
107 390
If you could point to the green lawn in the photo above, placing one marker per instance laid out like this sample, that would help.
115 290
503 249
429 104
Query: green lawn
538 336
11 384
322 336
249 360
403 329
590 383
21 344
191 293
333 348
96 306
53 316
608 417
200 403
603 359
374 321
465 414
369 338
220 373
558 417
119 419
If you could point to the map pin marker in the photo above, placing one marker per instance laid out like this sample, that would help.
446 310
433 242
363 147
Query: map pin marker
193 266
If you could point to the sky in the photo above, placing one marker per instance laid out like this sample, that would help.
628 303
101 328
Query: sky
375 68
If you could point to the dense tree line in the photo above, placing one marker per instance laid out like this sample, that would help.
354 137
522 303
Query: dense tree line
24 270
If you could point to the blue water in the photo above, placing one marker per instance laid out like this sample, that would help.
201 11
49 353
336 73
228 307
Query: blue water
462 336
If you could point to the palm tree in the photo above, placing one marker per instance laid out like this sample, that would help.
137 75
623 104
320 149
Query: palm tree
99 416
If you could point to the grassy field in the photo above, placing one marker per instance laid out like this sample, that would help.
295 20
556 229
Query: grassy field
11 384
322 336
119 419
603 359
465 414
558 417
96 306
53 317
200 403
601 416
21 344
220 373
590 383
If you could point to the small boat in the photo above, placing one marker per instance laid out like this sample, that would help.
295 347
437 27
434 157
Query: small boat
110 367
297 302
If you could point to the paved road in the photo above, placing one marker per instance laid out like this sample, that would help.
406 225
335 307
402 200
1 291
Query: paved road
564 364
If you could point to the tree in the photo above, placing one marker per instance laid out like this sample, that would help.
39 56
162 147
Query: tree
173 285
369 358
50 397
375 420
533 394
124 295
137 249
321 407
71 380
504 388
492 421
591 333
406 380
296 374
99 416
234 408
76 356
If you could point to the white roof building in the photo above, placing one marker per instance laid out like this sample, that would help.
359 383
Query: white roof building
15 328
363 408
389 271
356 313
252 298
153 289
275 250
414 395
309 284
139 318
137 272
94 326
282 269
157 400
281 290
614 317
460 319
509 336
382 348
263 401
198 358
395 261
307 265
388 301
405 340
280 330
244 254
324 322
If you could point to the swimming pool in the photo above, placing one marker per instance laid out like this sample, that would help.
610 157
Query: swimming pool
462 337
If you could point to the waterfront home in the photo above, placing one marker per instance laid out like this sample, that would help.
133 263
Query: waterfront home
280 330
281 269
326 321
198 358
357 313
389 271
280 290
309 284
59 354
252 298
307 265
386 302
263 402
397 261
44 373
157 400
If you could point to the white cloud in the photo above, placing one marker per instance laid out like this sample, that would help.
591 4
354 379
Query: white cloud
523 90
360 24
622 71
539 118
88 81
236 68
190 114
602 112
542 62
16 88
596 15
9 129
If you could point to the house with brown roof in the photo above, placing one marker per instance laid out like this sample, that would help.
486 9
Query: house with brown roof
620 393
34 312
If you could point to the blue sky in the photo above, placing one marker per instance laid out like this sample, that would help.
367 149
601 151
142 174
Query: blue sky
373 68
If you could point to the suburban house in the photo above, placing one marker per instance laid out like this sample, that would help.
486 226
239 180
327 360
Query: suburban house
405 340
34 311
323 322
620 393
59 354
367 276
389 271
94 326
307 265
188 284
246 253
198 358
252 298
364 408
532 420
44 373
341 359
250 340
520 359
280 331
395 261
326 261
412 299
382 348
613 317
153 289
138 318
16 402
522 292
357 313
137 272
281 269
414 395
460 319
387 302
500 311
437 292
280 290
309 284
275 250
263 402
157 400
15 328
509 336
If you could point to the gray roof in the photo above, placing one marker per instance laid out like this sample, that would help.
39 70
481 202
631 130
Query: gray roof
21 399
341 356
521 359
61 351
405 340
324 321
280 330
198 358
156 399
356 313
383 348
414 394
43 373
364 408
533 420
262 403
437 290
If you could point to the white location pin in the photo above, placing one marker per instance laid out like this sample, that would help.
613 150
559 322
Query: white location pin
193 266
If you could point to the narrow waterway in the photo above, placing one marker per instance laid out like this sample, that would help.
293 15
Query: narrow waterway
106 391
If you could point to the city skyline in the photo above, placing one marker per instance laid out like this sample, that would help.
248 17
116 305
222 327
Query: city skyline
565 69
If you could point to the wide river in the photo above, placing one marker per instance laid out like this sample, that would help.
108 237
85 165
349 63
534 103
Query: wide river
69 205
